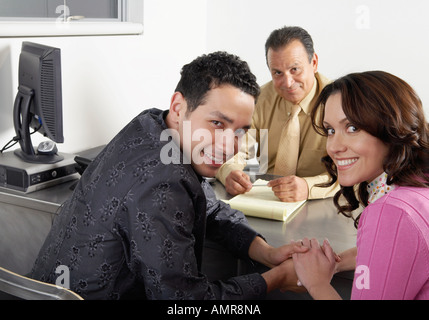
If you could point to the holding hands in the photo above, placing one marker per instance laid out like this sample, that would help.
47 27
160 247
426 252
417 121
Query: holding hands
302 264
282 274
316 267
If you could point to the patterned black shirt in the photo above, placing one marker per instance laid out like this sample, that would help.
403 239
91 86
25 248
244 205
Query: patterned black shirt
135 227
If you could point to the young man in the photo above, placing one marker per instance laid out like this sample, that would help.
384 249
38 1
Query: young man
136 223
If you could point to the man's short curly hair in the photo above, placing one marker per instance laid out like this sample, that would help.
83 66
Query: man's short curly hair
211 71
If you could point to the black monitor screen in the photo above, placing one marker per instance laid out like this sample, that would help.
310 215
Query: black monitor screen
38 104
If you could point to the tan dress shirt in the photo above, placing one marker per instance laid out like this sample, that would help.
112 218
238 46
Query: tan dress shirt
272 112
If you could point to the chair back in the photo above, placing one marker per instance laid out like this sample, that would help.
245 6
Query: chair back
16 286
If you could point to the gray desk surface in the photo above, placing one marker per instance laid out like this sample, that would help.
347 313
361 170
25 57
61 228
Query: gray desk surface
25 221
315 219
47 200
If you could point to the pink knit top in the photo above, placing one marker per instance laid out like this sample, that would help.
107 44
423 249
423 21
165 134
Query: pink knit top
393 247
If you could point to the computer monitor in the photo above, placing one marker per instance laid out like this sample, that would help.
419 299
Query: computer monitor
38 103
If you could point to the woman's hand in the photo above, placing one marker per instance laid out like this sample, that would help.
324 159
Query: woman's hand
316 268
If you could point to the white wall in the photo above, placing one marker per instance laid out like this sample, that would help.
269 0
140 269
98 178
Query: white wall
349 35
107 80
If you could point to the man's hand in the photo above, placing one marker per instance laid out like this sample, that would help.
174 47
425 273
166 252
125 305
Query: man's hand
280 254
290 188
290 281
237 182
282 273
266 254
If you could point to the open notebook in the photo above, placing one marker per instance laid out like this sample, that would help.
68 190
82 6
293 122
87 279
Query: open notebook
261 202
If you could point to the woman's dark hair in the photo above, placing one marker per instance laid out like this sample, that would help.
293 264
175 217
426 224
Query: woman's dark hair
213 70
388 108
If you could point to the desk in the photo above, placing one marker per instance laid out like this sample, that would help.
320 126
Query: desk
25 220
315 219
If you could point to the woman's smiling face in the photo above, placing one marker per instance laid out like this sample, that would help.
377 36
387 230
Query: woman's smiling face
357 155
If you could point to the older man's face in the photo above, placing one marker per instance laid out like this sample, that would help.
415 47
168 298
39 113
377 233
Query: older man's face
292 73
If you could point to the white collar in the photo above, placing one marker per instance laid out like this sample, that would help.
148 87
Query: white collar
378 188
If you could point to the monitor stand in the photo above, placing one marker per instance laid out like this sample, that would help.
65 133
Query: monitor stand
36 158
28 177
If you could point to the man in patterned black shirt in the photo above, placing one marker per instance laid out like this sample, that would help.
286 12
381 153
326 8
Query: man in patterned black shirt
136 223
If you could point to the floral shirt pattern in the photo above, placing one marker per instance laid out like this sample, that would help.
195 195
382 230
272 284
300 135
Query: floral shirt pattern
135 227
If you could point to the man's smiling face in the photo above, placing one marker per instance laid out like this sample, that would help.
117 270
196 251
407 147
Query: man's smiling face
215 127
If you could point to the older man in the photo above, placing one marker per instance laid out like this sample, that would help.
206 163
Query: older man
295 85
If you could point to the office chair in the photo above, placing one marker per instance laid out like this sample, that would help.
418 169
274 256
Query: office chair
15 286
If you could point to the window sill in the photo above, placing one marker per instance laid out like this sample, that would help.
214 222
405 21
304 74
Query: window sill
10 29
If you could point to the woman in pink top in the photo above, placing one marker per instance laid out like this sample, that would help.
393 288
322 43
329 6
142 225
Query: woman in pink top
378 150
